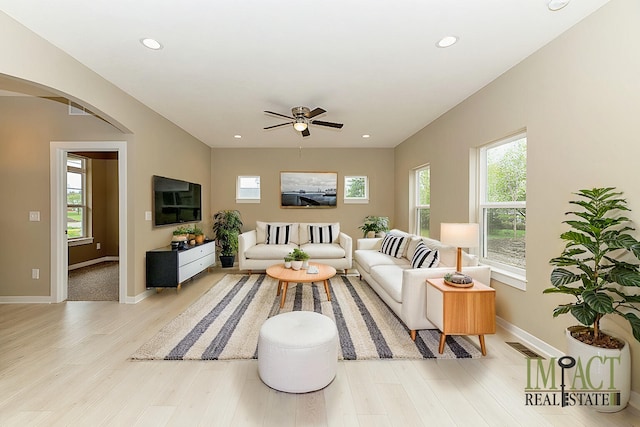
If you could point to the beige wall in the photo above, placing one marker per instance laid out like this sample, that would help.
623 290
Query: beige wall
27 125
154 146
578 99
377 164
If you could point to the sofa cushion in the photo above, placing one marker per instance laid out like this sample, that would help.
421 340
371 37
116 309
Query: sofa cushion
279 234
324 250
264 251
448 254
423 257
322 233
389 277
367 258
261 231
304 231
394 245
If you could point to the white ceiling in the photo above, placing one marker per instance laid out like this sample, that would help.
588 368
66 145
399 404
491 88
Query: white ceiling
373 65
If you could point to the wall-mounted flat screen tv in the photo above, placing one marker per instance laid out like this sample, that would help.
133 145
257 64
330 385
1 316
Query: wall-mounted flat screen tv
175 201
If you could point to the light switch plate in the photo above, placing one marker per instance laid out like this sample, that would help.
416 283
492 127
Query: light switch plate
147 216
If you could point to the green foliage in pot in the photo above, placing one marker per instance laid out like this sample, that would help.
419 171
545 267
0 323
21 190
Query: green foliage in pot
299 255
227 226
182 230
375 224
595 266
197 231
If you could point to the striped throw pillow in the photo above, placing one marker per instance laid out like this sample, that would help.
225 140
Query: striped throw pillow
394 245
424 257
321 233
278 235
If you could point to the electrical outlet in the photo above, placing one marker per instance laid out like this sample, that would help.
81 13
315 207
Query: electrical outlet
35 273
34 216
98 246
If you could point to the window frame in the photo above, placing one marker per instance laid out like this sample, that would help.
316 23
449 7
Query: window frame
506 273
417 207
364 198
87 222
244 199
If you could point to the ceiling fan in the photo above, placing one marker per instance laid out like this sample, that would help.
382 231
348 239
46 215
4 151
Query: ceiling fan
302 118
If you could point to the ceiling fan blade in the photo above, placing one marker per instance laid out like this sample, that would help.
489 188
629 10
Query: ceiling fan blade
315 112
279 115
277 126
329 124
306 132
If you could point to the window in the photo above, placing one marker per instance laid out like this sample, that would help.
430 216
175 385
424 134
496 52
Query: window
423 201
78 212
248 189
502 203
356 189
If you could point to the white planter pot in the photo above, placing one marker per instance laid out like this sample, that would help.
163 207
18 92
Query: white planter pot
305 264
287 264
296 265
601 369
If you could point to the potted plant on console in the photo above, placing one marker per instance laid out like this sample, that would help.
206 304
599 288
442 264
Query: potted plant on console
598 269
198 235
374 225
227 226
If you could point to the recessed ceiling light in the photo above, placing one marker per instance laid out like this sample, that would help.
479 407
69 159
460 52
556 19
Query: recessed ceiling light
557 4
237 136
447 41
366 136
151 44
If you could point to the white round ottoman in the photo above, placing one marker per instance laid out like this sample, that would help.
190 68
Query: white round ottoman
298 351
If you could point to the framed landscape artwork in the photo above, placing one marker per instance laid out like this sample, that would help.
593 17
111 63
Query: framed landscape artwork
308 189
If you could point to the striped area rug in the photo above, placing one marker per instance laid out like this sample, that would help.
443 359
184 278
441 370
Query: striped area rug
224 323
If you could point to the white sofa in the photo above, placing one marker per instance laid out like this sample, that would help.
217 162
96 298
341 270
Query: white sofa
256 253
403 288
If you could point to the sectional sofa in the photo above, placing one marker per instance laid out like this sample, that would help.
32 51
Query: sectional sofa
270 242
403 286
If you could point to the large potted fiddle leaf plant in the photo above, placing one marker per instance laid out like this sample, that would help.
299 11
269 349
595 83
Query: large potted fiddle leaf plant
599 269
227 226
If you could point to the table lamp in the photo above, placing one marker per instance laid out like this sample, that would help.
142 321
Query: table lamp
460 235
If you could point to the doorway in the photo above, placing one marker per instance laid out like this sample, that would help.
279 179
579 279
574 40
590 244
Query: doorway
59 243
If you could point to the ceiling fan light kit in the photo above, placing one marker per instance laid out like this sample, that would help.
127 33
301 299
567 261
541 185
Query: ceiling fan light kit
301 118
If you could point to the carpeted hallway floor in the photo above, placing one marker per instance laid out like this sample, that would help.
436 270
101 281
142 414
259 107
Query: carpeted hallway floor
94 283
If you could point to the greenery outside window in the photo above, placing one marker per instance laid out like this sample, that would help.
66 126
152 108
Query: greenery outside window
503 204
248 189
422 187
78 197
356 189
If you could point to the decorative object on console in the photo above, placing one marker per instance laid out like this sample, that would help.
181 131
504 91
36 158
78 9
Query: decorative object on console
460 235
227 226
374 225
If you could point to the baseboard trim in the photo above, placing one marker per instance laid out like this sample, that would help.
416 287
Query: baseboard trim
93 262
550 351
136 299
26 300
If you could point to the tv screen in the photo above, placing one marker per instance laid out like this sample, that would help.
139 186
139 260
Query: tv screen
175 201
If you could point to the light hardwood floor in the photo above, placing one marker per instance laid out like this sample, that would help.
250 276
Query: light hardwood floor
67 365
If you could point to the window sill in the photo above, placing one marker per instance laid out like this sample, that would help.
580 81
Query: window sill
509 278
247 200
355 201
80 242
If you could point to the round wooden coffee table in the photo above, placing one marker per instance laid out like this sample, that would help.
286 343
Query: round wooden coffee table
289 275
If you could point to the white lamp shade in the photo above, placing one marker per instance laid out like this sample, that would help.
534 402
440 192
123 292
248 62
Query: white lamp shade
460 235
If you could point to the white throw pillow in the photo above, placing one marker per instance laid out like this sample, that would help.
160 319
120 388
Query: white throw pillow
322 233
394 245
278 234
261 231
423 257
